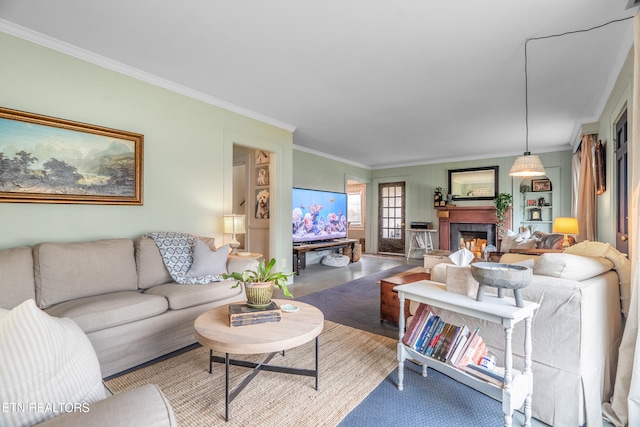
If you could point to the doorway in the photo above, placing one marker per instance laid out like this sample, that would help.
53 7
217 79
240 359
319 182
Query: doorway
391 217
622 186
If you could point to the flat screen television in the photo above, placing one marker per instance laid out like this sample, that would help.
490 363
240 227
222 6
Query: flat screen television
318 215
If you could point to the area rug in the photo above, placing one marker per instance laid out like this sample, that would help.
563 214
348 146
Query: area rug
352 363
357 303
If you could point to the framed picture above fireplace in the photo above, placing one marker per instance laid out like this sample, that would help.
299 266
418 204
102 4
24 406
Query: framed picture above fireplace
474 183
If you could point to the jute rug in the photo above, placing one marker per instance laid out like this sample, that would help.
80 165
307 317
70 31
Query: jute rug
352 363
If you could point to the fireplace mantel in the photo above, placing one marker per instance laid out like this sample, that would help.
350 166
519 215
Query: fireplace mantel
465 214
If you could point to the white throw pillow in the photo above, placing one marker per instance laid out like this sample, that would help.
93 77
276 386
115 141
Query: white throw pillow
572 267
207 262
47 366
522 240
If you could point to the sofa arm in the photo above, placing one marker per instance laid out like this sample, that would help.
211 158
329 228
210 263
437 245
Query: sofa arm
141 406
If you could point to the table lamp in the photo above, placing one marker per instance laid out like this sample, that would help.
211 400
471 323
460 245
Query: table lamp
565 226
234 224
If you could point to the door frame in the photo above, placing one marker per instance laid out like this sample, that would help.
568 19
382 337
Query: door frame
372 233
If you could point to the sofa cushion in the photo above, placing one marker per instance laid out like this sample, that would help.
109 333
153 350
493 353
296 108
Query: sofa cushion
183 296
16 277
108 310
46 362
571 267
207 262
149 263
66 271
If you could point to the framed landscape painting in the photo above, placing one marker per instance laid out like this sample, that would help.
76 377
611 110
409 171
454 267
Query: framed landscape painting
50 160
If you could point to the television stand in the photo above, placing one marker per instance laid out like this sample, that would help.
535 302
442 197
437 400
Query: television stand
300 250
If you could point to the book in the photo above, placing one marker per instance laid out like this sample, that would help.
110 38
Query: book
475 348
494 377
428 335
447 343
460 332
419 318
461 340
436 336
242 314
437 349
243 321
464 349
424 330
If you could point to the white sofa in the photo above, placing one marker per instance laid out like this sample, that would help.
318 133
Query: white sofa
576 331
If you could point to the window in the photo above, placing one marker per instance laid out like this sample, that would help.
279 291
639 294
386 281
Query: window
354 207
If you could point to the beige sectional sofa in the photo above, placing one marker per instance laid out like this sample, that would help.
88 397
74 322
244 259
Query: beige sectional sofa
576 332
118 291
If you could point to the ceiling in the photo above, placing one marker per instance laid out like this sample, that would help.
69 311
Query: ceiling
373 82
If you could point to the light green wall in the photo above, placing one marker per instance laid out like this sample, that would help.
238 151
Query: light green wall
188 152
621 98
310 171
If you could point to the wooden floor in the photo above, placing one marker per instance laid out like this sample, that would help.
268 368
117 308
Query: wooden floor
317 277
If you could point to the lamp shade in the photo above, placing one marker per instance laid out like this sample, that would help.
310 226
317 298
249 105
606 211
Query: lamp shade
565 225
234 224
527 165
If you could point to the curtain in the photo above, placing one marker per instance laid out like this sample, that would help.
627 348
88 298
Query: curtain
575 180
624 407
586 213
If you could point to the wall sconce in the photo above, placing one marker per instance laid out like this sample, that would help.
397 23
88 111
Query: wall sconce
234 224
565 226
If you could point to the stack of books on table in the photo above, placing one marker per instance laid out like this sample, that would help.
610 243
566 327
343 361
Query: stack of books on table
428 334
242 314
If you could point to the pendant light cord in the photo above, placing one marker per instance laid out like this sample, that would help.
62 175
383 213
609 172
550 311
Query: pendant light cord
526 77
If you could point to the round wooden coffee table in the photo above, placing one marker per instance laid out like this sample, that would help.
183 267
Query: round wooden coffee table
213 331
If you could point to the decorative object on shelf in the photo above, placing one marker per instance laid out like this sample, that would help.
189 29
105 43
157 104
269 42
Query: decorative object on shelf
535 214
541 201
259 283
565 226
234 224
438 197
531 202
540 185
524 188
501 276
527 164
502 203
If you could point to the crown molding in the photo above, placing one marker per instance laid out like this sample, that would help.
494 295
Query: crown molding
330 157
91 57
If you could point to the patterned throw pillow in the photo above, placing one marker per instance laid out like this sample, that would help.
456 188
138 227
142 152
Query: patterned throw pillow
47 366
207 262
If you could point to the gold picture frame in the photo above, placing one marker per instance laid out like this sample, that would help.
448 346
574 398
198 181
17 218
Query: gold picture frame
50 160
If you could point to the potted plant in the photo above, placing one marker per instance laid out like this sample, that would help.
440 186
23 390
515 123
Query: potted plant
259 283
502 204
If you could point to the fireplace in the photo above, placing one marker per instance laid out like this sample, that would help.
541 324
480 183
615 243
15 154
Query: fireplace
474 237
473 220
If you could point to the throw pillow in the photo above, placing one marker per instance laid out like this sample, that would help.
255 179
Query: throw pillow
207 262
47 366
572 267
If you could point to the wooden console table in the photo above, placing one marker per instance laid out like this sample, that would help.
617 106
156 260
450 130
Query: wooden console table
518 386
300 250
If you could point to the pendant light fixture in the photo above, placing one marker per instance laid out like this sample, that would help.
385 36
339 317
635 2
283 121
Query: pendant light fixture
527 164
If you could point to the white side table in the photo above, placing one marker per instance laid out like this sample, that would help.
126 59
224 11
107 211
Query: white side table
518 386
420 239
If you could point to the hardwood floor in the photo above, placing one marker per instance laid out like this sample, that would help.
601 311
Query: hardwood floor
318 277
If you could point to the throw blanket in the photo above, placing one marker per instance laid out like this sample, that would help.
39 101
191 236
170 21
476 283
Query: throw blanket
177 253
